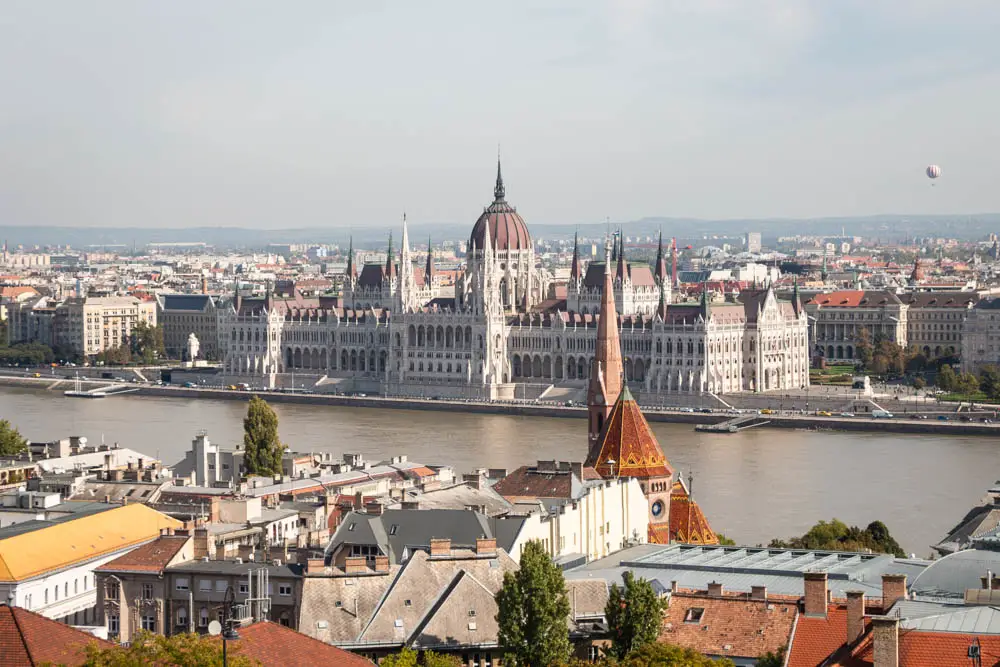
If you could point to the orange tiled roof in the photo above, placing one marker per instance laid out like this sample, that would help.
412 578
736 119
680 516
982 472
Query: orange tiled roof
273 644
931 649
628 440
151 557
27 638
687 522
730 627
816 639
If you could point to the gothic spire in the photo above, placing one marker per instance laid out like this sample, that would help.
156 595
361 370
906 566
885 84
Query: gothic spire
614 248
498 190
606 370
660 272
620 270
429 270
390 265
796 304
574 269
352 269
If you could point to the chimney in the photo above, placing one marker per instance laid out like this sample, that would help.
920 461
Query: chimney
359 500
204 545
758 592
440 547
885 641
893 588
855 615
577 469
474 481
374 508
486 546
410 505
815 593
673 586
381 563
355 565
246 552
715 589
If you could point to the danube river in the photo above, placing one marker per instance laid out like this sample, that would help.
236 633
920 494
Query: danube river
752 485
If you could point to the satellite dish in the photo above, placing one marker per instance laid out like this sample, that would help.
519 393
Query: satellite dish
215 628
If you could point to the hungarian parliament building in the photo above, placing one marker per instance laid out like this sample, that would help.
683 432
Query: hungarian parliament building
504 335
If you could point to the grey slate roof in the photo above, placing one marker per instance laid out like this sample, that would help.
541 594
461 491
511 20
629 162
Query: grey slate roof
395 531
185 302
740 568
968 620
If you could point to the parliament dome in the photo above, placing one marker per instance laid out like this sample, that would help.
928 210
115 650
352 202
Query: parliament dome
506 227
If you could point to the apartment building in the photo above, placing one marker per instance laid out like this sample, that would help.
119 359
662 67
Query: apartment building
94 324
836 320
935 321
174 585
981 336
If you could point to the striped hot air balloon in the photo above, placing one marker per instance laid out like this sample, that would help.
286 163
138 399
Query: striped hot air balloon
933 171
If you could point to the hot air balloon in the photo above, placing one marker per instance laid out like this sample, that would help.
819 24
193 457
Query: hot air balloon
933 171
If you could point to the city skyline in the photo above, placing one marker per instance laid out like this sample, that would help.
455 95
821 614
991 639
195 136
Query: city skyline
149 116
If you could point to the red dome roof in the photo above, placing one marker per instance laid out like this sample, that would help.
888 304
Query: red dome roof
506 227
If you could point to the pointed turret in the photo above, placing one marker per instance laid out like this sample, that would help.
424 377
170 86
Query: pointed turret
352 268
660 272
621 267
390 265
614 247
429 269
407 285
574 269
796 302
673 266
606 369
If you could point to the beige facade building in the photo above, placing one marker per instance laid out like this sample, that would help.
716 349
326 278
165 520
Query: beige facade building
935 319
836 320
981 336
93 324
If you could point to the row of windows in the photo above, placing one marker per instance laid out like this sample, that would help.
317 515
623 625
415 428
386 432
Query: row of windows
65 591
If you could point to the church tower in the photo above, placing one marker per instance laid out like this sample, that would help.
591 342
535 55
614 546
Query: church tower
606 371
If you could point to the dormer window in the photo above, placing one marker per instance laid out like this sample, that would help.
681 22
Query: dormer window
694 615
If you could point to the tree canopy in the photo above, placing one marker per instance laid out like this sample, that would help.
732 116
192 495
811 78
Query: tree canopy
634 613
668 655
835 535
260 439
532 611
150 649
410 658
12 442
147 342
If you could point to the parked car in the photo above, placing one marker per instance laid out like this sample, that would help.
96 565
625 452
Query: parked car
943 418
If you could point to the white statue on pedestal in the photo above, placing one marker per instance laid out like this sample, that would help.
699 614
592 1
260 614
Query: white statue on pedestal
193 347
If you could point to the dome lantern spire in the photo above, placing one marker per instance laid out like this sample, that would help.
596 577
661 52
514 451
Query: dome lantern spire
498 189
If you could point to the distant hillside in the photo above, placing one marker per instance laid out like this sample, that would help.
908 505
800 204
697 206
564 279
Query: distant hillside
886 227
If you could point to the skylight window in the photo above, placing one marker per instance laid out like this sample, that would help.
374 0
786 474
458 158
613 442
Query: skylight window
694 615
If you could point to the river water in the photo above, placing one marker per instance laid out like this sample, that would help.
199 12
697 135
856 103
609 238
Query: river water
752 485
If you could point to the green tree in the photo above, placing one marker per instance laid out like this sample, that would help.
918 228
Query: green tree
772 659
12 442
532 611
863 347
989 381
836 535
946 379
260 439
725 541
668 655
410 658
919 383
634 614
146 342
149 649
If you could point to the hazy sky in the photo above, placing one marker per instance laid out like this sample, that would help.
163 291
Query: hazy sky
327 113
